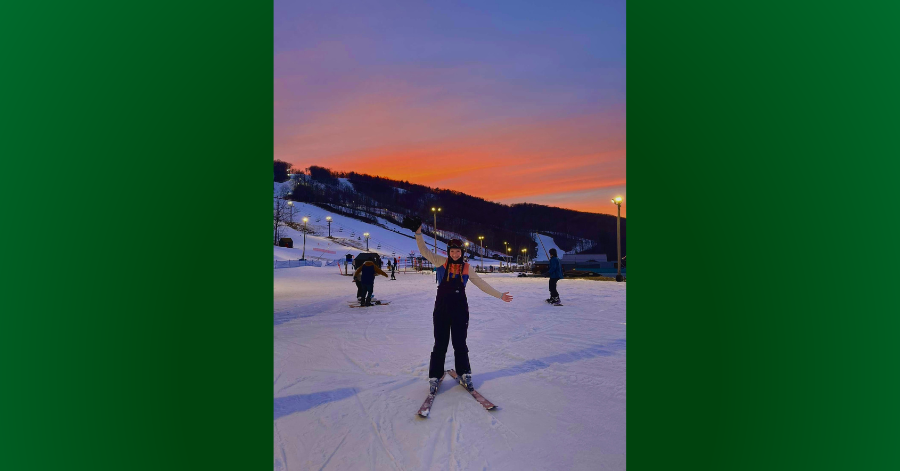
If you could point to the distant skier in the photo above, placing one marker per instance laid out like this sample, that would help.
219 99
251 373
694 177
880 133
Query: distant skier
393 268
555 273
366 275
451 308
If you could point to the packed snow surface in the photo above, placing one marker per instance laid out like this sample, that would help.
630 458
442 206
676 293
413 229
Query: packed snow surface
348 382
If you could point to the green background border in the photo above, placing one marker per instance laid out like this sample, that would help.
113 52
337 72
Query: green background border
136 327
762 153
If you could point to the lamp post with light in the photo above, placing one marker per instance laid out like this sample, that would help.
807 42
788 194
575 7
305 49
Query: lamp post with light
435 211
501 258
525 258
467 249
291 214
329 226
508 250
305 220
481 238
618 202
366 235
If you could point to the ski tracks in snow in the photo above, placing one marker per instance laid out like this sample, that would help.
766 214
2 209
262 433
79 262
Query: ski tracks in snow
334 451
535 360
375 428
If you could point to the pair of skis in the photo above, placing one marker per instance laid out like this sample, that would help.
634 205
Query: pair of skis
426 406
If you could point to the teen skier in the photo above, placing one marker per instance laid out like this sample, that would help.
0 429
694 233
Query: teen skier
555 274
451 309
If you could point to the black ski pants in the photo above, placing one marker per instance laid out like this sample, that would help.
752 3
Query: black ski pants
451 320
553 292
367 291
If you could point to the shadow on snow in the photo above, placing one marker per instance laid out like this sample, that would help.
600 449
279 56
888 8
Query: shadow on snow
541 363
287 405
287 316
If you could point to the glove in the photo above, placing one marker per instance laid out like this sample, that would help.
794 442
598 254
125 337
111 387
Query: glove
412 222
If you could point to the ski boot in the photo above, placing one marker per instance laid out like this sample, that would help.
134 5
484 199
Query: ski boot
433 385
556 301
466 381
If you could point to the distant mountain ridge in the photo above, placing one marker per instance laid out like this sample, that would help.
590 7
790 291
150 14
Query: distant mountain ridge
369 197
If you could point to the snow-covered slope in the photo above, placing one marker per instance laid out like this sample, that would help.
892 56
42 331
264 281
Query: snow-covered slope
348 232
544 244
348 381
393 240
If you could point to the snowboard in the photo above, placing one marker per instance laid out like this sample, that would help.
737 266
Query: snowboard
377 303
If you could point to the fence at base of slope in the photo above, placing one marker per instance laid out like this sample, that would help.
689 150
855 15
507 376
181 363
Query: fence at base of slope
307 263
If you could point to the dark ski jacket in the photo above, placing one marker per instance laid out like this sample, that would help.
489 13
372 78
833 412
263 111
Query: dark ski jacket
366 273
555 268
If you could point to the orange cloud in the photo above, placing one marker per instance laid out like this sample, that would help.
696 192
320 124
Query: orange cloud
400 130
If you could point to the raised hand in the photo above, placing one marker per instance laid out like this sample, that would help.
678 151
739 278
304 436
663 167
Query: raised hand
412 223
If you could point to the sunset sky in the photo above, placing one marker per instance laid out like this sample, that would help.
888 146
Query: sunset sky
508 101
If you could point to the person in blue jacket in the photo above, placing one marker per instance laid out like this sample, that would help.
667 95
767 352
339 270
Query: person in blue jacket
555 273
366 276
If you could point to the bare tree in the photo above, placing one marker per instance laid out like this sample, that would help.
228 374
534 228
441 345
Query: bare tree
282 211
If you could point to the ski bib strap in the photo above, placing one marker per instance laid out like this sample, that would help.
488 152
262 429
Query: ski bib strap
447 273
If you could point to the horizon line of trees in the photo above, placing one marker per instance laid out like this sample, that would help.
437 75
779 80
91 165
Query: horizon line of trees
465 214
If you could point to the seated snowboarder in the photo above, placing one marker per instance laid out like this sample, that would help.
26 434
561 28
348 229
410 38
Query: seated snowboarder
366 274
451 309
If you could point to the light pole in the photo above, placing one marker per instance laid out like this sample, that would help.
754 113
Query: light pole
304 238
329 226
508 249
501 259
525 258
618 202
366 235
481 238
435 211
291 215
467 249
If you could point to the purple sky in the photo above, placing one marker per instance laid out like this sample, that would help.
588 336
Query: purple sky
509 101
